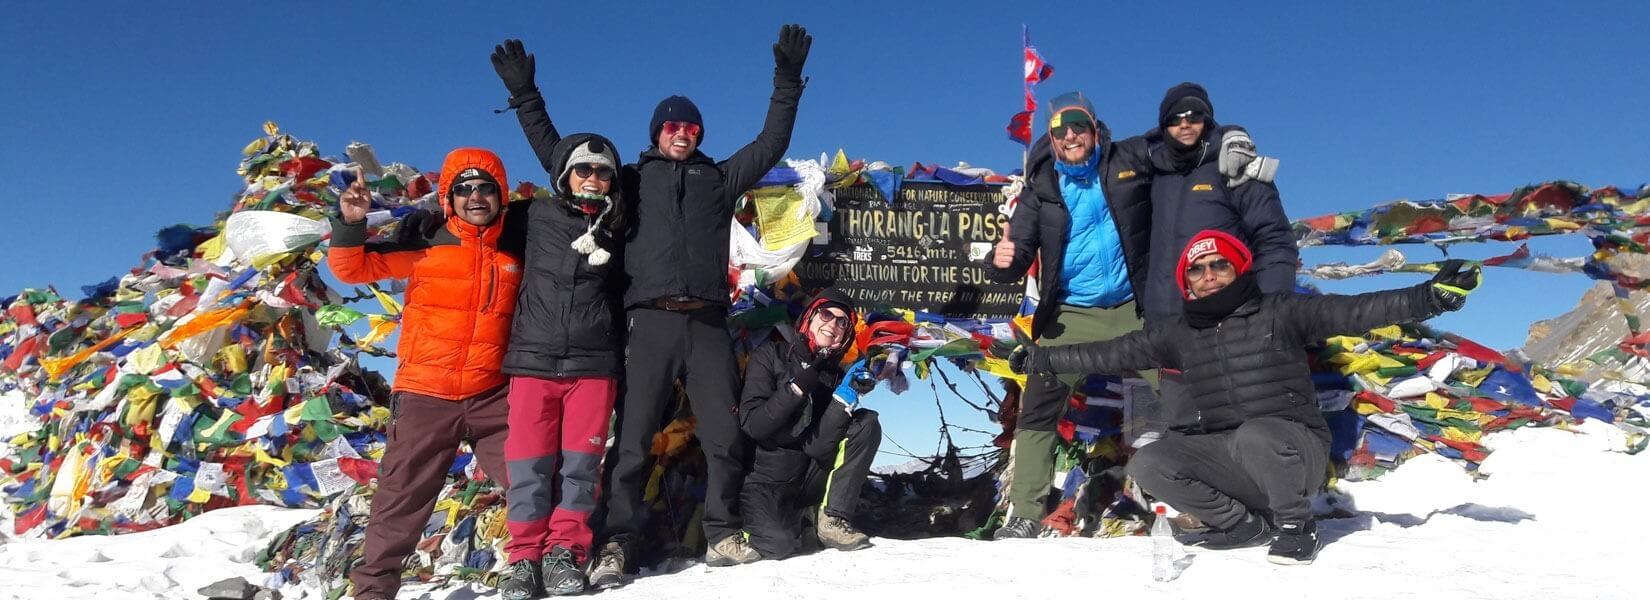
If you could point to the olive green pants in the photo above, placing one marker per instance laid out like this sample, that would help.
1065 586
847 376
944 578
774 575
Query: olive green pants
1043 401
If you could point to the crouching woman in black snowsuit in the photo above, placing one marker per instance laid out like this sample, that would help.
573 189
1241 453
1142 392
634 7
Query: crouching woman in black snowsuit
813 442
1249 438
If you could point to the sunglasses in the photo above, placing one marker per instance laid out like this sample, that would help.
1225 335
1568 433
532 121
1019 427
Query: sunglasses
465 189
602 172
831 319
690 129
1191 116
1075 128
1196 271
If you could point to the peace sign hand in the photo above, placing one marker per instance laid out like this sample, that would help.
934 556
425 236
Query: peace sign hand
356 200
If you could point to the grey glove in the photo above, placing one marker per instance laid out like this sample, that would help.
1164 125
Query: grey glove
1239 162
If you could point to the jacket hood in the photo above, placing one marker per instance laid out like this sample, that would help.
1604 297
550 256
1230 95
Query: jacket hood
463 159
564 149
825 298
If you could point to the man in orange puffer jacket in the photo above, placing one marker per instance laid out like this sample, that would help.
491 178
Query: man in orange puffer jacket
449 386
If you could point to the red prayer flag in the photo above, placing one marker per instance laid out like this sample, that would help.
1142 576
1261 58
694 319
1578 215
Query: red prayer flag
1019 127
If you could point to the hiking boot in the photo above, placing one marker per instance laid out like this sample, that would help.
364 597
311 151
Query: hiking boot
1250 532
1297 544
1017 527
732 550
837 532
607 571
522 581
561 573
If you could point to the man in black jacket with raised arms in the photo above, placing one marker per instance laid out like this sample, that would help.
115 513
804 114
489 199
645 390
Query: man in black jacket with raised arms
1252 442
676 298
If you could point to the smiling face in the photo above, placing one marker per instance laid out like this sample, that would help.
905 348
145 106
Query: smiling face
828 327
1209 274
476 201
590 179
1073 135
678 139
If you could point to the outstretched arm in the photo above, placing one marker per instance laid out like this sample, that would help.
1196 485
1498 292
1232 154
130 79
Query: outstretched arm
1318 317
1135 351
749 164
516 68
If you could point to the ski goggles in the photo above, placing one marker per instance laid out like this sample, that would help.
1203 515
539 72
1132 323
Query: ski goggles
486 188
586 170
686 128
1196 271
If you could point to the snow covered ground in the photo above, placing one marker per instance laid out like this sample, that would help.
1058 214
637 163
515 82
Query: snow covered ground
1561 516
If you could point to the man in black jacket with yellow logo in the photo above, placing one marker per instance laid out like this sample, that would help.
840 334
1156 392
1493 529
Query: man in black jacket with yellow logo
1253 438
813 443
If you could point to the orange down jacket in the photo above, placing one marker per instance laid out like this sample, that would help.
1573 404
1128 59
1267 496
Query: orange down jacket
461 292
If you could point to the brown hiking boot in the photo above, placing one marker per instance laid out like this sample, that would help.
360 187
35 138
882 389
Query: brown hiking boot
732 550
837 532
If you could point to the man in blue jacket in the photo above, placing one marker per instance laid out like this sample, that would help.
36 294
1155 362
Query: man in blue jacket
1088 215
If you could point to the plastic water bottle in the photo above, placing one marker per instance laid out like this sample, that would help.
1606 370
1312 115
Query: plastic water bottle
1164 547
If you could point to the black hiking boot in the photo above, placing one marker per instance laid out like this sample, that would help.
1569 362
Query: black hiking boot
607 571
1297 544
1017 527
1250 532
561 573
522 582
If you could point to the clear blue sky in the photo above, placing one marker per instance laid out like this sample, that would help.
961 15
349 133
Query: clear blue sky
117 119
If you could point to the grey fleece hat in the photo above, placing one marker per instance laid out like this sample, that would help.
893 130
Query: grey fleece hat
589 153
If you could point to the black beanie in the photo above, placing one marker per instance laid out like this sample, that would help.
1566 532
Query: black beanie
1184 97
674 108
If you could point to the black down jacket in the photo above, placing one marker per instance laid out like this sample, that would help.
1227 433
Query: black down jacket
1041 220
770 411
1252 364
1187 201
567 310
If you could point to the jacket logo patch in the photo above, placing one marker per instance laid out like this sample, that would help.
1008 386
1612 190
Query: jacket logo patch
512 269
1203 187
693 171
1125 174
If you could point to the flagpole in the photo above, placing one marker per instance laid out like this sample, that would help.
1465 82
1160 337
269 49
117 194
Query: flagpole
1025 150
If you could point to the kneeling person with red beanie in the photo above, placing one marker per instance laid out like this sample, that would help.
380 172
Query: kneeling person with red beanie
1249 454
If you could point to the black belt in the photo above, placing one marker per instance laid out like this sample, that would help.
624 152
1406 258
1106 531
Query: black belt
678 303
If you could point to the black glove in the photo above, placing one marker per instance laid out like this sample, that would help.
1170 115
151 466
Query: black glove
515 67
1028 358
790 52
808 376
418 228
1455 279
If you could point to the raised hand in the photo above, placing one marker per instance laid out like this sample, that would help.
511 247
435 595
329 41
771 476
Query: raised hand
1003 257
515 67
1455 279
356 200
791 51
